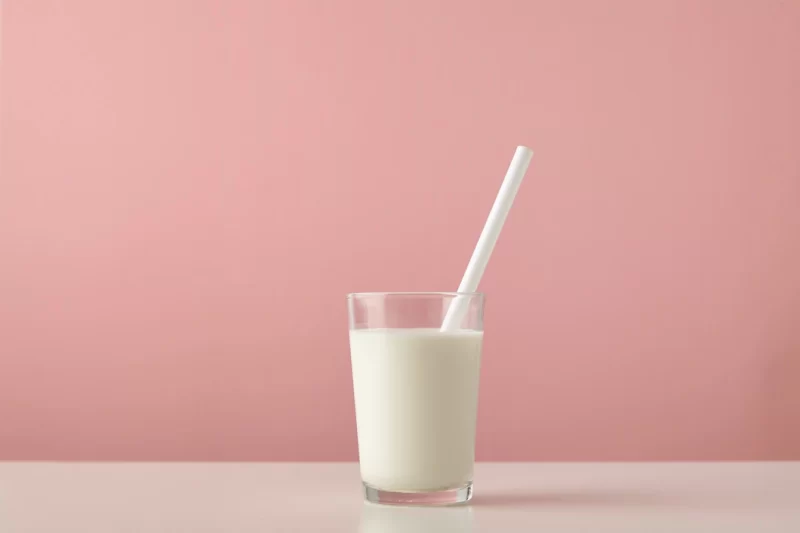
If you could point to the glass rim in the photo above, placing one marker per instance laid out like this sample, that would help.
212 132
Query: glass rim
352 295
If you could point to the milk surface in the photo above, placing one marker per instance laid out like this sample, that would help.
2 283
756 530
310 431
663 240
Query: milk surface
416 397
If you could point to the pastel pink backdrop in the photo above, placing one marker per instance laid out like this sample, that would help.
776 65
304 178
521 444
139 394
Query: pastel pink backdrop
190 188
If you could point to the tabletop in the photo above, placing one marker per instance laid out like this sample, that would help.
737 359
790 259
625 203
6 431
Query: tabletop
509 497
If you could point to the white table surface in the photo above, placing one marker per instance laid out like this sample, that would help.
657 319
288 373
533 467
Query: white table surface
509 497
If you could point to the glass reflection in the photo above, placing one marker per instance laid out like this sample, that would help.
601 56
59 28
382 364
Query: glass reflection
398 519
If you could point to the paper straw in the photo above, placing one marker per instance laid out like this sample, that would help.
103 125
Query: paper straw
483 250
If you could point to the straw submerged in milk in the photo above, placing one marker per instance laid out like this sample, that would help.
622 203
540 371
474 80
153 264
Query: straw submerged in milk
416 390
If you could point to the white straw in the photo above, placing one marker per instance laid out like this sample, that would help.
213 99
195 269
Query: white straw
488 238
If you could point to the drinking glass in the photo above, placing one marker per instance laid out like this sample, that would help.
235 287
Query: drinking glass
416 394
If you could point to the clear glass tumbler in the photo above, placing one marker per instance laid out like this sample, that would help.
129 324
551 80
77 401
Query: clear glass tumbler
416 394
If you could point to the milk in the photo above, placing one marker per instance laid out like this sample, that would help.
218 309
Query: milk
416 397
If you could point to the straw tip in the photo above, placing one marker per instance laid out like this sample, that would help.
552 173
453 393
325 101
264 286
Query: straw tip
522 148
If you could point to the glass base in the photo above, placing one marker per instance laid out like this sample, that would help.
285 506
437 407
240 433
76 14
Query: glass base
441 497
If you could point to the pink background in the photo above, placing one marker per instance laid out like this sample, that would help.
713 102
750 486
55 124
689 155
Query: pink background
189 189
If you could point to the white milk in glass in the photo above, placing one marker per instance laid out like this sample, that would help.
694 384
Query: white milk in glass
416 397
